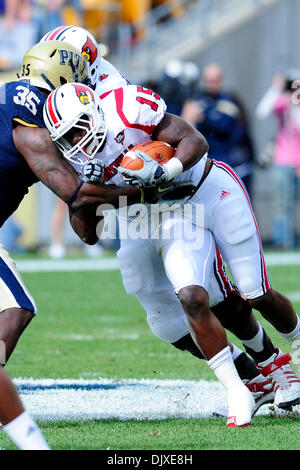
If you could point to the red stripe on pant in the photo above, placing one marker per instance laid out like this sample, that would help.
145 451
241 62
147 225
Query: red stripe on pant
221 271
227 168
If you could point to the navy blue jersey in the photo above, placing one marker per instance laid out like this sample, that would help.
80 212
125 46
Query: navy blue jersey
20 103
220 119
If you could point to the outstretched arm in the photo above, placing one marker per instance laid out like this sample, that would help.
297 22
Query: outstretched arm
58 175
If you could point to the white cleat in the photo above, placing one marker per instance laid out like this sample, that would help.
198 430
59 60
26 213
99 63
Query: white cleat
286 384
262 390
241 406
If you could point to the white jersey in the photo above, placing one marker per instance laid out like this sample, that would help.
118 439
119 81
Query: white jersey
109 79
131 114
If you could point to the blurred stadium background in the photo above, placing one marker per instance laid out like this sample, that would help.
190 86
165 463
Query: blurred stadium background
251 40
89 329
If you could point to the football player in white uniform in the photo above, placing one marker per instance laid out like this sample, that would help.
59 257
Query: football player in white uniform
131 115
229 216
104 76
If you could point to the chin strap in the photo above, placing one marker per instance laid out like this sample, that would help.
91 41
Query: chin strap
74 195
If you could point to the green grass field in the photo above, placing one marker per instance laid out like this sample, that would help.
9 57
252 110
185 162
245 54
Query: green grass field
87 327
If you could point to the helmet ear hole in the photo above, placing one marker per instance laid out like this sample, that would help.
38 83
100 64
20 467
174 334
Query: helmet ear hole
53 53
62 80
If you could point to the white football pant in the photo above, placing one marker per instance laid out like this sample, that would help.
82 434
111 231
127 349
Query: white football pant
144 271
229 216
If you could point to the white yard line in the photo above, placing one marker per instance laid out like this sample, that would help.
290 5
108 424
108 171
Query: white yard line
293 296
111 264
74 400
42 265
108 334
283 259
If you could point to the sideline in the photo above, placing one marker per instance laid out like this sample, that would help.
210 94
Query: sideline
112 264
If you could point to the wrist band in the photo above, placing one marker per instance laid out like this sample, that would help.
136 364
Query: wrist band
70 201
174 167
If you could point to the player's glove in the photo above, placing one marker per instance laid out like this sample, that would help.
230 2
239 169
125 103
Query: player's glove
167 192
151 174
93 172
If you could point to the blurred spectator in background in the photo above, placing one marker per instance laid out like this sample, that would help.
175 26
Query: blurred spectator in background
170 87
242 153
10 234
282 101
177 84
221 118
17 32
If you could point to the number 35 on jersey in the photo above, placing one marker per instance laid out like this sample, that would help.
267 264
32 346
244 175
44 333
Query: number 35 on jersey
27 98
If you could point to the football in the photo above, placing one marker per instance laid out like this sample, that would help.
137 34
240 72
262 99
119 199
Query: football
159 151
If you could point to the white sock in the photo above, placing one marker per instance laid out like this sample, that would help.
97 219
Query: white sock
257 342
293 335
236 352
223 366
25 433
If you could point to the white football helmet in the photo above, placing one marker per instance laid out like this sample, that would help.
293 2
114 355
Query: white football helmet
82 40
70 108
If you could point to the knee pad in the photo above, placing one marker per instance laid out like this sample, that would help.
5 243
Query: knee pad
165 315
131 271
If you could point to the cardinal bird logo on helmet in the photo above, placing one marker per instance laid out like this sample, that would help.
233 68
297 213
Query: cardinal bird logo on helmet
83 94
89 51
103 76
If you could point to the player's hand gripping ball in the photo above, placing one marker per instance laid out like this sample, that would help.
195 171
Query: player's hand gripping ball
144 164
